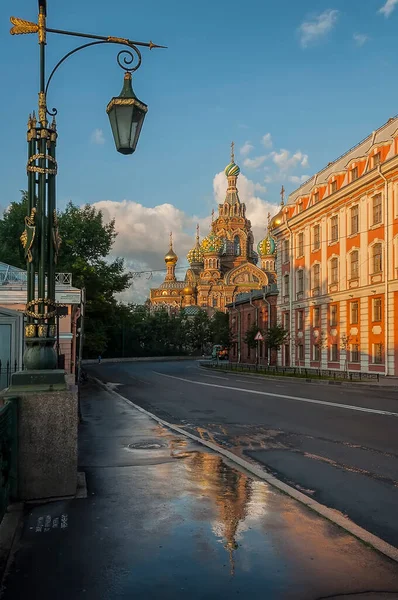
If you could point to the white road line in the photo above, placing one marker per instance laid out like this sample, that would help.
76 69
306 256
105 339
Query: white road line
245 381
298 398
215 377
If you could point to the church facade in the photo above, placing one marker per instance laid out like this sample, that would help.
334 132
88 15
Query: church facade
222 265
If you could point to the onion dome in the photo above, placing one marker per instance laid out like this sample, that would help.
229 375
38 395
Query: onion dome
195 255
232 169
267 246
212 243
171 256
188 290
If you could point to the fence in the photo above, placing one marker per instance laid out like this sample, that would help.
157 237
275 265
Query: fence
8 454
6 370
295 371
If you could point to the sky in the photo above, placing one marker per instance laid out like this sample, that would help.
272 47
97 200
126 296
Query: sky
294 83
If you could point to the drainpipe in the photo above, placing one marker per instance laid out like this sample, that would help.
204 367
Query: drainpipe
386 265
268 324
290 292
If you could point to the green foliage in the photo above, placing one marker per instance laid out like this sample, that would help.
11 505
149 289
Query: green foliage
276 336
251 334
11 228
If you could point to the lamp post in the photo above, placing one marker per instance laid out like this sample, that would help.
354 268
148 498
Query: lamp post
40 239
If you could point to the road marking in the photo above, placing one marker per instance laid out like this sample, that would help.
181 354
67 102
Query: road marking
245 381
215 377
298 398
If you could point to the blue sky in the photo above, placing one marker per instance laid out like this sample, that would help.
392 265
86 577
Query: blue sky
313 76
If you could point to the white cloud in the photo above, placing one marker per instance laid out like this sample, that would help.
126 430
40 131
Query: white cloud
361 38
97 137
266 140
246 148
388 8
285 161
298 179
320 25
254 163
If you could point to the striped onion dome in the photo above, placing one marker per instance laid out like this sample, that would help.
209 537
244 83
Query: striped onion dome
267 246
232 170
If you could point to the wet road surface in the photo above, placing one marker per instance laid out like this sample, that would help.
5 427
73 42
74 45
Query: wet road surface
338 445
165 518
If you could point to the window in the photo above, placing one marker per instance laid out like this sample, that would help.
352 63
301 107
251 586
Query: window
334 270
214 302
286 286
354 353
354 173
376 309
334 186
286 320
377 209
300 244
333 315
301 351
316 237
300 207
334 353
237 246
376 159
377 258
285 251
316 197
378 354
354 212
334 229
300 319
300 281
354 264
316 276
317 353
354 313
316 317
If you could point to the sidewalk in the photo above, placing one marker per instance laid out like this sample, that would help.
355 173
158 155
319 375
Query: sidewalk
168 519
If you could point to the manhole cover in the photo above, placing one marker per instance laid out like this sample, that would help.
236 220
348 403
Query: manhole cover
145 446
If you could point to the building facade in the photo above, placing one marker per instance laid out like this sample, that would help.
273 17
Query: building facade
257 307
12 307
224 264
337 262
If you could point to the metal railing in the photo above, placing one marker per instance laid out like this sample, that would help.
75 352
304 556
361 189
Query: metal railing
8 453
6 370
310 373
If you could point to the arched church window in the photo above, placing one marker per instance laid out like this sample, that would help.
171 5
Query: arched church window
236 245
214 302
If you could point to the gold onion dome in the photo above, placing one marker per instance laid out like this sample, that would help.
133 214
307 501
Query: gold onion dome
212 243
276 221
171 256
188 290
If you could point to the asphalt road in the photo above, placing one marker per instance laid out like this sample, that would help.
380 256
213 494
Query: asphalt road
338 445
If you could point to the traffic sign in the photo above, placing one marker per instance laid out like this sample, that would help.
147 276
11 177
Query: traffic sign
259 337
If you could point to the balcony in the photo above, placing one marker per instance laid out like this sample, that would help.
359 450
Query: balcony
286 298
315 291
300 295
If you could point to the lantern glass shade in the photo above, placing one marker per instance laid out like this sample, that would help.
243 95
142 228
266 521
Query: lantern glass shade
126 115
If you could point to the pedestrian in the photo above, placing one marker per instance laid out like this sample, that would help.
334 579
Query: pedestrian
99 359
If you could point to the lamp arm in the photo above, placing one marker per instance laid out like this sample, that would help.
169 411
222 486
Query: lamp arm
123 63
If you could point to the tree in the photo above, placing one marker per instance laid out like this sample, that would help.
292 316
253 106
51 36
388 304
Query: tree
11 228
276 336
345 342
220 332
250 335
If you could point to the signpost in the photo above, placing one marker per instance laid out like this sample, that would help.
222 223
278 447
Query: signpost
259 338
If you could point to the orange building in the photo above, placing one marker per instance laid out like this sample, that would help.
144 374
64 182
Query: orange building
337 261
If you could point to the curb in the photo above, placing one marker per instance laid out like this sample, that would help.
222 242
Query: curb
328 513
94 361
366 386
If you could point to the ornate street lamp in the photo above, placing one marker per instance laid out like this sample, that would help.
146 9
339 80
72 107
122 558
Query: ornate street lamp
126 115
41 239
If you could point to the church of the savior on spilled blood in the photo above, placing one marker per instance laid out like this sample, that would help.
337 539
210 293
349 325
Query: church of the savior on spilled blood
222 265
